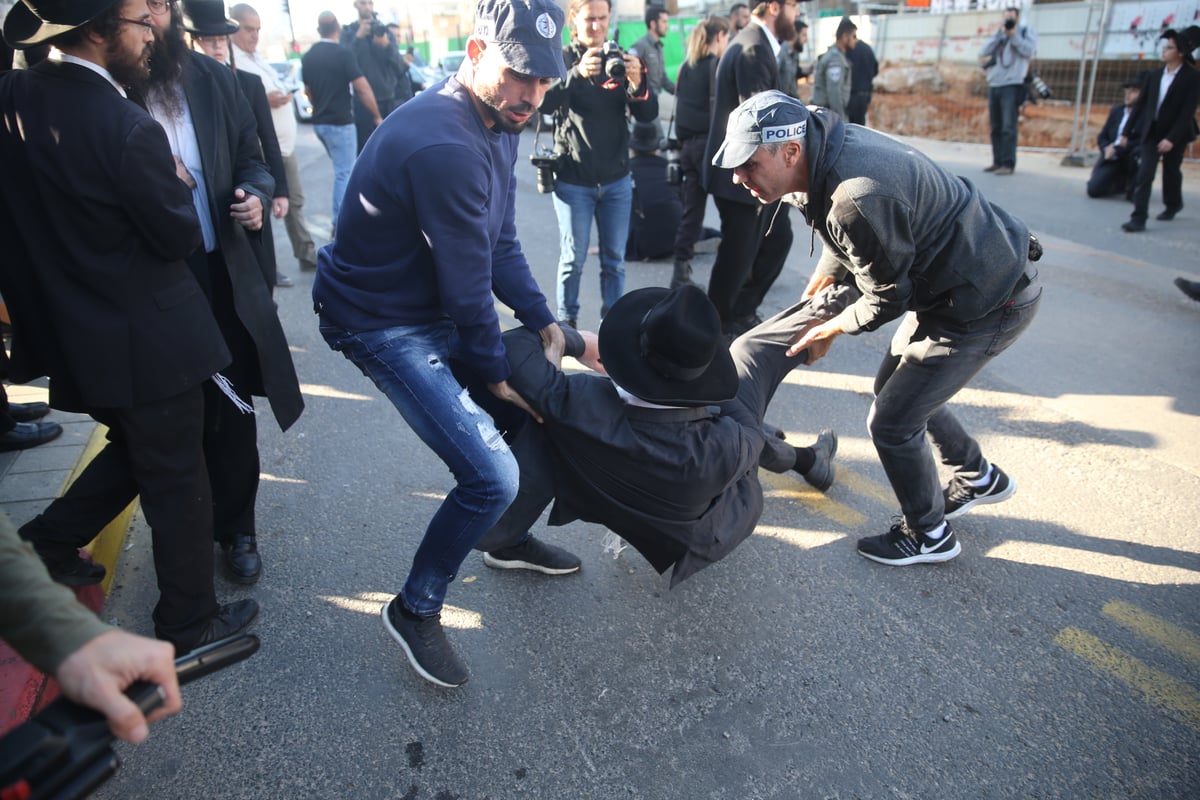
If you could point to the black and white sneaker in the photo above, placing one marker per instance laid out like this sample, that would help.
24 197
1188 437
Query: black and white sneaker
534 555
961 496
426 645
900 546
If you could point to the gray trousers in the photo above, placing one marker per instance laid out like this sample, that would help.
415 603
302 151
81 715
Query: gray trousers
762 364
929 361
302 244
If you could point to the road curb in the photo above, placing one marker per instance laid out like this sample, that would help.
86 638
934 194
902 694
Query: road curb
24 690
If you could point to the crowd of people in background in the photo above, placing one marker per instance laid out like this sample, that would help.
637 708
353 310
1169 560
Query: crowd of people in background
197 129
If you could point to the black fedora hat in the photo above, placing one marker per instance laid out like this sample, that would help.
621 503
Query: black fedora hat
31 22
665 346
645 138
207 18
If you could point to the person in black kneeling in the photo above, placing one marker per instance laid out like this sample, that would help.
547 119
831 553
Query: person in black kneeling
657 207
1115 169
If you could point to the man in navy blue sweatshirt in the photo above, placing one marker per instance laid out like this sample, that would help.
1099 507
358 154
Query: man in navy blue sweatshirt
427 239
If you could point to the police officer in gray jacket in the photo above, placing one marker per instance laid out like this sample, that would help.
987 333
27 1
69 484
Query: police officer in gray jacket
920 243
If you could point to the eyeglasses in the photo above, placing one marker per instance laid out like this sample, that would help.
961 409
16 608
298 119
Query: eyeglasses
159 6
145 23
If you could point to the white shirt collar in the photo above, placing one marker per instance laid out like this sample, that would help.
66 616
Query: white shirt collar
775 45
67 58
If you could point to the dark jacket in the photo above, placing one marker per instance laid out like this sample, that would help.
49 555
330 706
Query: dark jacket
591 130
747 68
914 236
694 495
657 209
228 140
264 244
694 98
1175 121
96 226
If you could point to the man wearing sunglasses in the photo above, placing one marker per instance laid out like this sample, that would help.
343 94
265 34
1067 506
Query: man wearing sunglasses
96 226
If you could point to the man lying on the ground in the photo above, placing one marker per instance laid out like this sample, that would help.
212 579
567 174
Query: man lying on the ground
664 451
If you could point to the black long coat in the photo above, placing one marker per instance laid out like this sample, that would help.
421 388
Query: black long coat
747 67
95 226
228 138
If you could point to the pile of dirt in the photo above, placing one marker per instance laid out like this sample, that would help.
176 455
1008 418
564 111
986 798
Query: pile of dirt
949 102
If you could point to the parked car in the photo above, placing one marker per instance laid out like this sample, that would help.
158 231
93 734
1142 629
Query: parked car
291 77
450 62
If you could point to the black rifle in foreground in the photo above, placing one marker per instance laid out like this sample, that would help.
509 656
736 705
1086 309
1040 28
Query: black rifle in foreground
65 752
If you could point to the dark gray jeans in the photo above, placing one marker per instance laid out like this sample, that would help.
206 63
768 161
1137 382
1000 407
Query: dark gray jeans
929 361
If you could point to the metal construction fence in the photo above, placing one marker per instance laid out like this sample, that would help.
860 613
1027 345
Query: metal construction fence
931 84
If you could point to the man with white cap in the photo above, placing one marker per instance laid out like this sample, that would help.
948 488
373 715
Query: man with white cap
425 239
921 243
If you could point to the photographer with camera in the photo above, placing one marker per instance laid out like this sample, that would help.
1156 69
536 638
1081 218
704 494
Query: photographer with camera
1006 58
379 59
604 85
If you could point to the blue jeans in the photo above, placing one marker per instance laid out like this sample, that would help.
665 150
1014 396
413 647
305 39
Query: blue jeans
929 361
1004 107
575 206
341 143
411 366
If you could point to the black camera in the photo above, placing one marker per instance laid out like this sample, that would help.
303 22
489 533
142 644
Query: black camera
612 62
1009 24
674 170
378 29
1039 86
545 164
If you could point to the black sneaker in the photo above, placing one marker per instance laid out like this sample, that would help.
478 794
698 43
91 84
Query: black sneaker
426 645
962 496
821 474
535 555
900 546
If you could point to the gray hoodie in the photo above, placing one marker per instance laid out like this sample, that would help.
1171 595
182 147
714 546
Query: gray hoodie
913 236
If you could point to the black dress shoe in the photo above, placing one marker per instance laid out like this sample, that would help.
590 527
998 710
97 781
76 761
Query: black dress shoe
28 412
74 570
230 619
1168 214
29 434
1133 226
242 559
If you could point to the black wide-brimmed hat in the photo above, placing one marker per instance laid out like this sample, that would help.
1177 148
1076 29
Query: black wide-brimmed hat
207 18
665 346
31 22
645 138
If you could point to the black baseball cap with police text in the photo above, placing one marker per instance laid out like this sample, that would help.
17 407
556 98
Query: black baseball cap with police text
527 33
767 118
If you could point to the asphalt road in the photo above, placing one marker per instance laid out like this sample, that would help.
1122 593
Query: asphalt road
1057 657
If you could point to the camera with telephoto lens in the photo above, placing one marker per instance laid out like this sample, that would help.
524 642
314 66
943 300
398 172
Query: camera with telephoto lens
1009 24
545 164
612 62
674 170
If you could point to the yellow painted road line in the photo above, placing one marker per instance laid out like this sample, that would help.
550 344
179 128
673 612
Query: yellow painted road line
1170 637
855 483
1158 687
792 487
106 547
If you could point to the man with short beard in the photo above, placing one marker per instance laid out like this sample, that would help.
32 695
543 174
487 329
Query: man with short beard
755 239
96 226
408 285
214 138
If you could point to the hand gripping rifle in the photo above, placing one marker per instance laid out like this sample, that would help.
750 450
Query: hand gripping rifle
65 752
